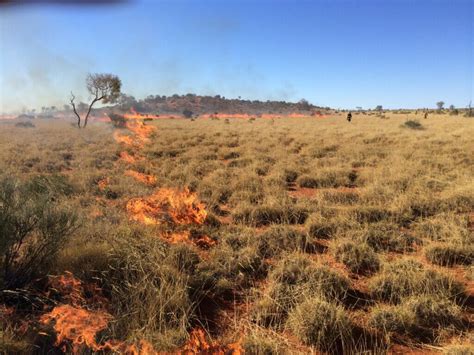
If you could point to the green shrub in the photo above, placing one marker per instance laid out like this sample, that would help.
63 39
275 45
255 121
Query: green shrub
321 324
359 258
33 229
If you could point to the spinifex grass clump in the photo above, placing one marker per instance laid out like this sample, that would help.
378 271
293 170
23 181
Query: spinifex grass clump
291 280
450 254
281 238
420 317
359 258
406 278
321 324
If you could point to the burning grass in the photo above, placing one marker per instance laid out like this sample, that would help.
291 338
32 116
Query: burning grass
144 178
168 206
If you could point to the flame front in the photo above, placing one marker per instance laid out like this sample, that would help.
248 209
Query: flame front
181 207
76 325
145 178
198 344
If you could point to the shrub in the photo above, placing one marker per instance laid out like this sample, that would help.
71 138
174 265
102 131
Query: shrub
359 258
54 185
450 254
290 176
413 124
406 278
25 124
321 324
32 230
187 113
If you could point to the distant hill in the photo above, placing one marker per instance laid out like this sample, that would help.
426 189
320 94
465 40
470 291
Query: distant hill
198 105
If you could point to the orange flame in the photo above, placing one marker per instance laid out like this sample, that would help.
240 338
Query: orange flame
68 287
76 327
145 178
197 344
135 115
182 207
127 140
202 241
103 183
141 130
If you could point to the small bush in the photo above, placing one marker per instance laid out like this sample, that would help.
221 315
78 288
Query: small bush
412 124
32 231
319 323
290 176
25 124
118 121
359 258
450 254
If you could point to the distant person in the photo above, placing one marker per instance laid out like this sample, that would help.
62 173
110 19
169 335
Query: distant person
426 115
349 117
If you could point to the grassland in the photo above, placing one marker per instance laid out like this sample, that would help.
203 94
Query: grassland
319 234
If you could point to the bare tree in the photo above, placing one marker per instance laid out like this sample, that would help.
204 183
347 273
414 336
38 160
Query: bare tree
102 87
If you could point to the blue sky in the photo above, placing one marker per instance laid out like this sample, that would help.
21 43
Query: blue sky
333 53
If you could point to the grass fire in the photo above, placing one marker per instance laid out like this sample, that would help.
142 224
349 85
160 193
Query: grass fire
236 178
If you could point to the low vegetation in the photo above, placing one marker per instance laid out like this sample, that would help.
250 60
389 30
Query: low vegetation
284 235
